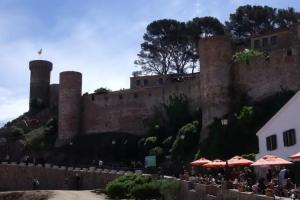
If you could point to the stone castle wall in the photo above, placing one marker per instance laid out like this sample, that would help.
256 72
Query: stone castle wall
69 109
40 81
215 60
214 89
128 110
263 77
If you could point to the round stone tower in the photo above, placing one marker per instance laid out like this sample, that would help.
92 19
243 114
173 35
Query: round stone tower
39 82
69 106
215 63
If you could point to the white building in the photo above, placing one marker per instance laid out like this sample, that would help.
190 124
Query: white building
281 134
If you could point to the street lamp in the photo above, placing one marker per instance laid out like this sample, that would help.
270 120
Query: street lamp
224 122
113 142
182 137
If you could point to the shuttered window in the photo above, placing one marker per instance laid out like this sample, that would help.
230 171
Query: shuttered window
271 142
289 137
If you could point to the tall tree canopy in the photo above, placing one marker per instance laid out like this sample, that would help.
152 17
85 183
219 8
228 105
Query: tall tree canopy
204 27
248 20
171 47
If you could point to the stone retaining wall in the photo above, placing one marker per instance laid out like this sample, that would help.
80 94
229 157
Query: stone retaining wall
15 176
211 192
20 177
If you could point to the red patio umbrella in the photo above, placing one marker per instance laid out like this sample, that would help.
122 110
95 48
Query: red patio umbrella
295 157
215 164
239 161
270 160
200 162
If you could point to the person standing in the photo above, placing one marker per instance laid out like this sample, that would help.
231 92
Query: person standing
77 181
282 177
100 164
35 184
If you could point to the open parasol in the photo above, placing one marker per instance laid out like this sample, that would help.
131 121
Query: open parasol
239 161
295 157
200 162
215 164
270 160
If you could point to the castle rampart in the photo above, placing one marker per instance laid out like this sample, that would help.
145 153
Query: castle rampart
51 177
69 106
263 76
213 90
132 107
215 60
54 89
39 81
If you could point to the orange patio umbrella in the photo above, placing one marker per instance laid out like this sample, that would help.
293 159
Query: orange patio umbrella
215 164
270 160
200 162
295 157
239 161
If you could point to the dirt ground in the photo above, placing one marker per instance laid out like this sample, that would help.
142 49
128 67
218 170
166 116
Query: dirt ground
75 195
51 195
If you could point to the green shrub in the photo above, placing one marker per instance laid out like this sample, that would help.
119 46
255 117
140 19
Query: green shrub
146 191
17 132
122 186
41 138
102 90
150 142
186 143
140 187
167 143
156 151
169 186
52 122
116 190
246 55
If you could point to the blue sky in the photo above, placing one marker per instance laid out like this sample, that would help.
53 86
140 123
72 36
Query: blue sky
99 38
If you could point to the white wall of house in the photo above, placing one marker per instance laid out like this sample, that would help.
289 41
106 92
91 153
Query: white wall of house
287 118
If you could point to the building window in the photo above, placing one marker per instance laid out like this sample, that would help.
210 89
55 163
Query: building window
274 40
145 82
120 96
160 81
271 142
289 52
256 43
93 97
265 42
138 82
289 137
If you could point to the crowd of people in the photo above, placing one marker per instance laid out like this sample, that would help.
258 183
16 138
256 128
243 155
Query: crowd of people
275 183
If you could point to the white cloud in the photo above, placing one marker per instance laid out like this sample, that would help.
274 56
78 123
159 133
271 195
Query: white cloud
11 105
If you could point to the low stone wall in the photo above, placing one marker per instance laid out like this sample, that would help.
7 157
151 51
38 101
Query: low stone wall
20 177
15 177
189 191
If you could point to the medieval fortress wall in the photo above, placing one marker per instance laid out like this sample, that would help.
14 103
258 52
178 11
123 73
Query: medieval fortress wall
127 111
